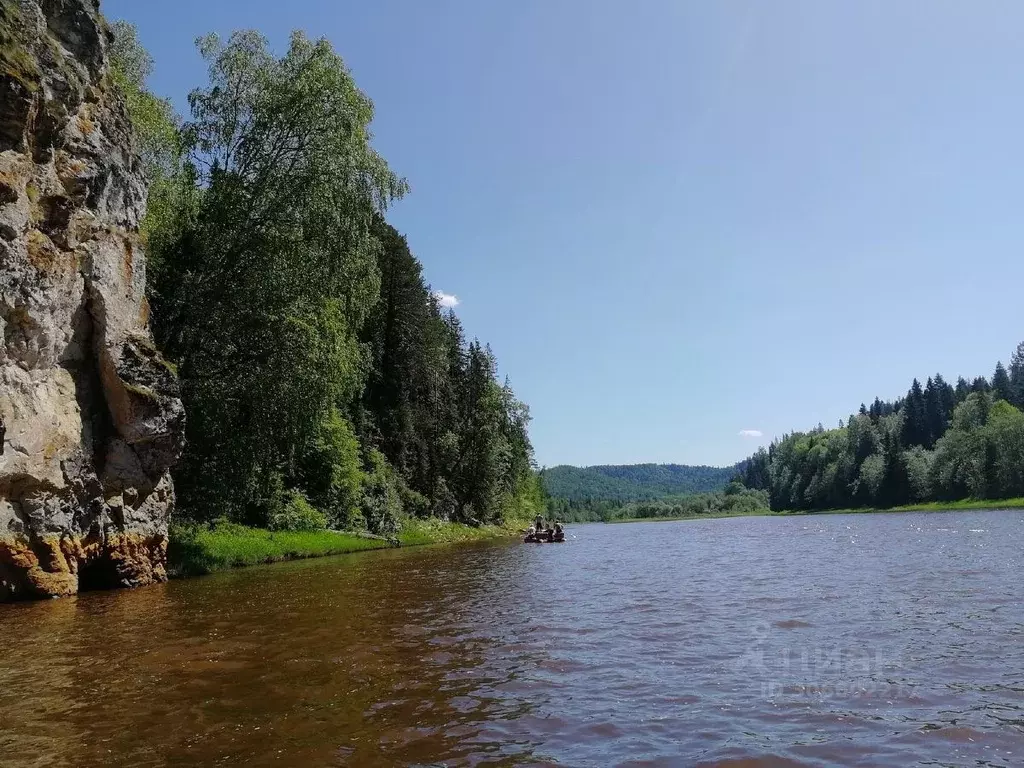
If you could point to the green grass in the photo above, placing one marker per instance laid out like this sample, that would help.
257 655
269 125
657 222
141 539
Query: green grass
199 549
928 506
695 516
195 550
434 531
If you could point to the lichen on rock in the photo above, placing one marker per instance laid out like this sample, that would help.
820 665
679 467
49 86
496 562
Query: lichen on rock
90 415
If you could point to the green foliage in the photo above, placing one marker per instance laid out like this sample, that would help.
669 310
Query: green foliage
740 501
1004 436
297 514
382 504
261 294
635 482
1017 377
937 443
331 472
318 371
735 500
919 462
157 132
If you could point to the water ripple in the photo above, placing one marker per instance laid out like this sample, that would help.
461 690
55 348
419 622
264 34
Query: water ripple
874 640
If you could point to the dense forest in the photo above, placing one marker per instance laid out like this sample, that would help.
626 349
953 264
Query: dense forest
323 384
940 442
734 499
633 482
637 490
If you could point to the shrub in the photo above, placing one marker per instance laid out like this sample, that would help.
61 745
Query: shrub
382 505
330 471
298 515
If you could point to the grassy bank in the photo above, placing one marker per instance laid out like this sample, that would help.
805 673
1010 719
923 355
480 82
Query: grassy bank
198 549
931 506
697 516
434 531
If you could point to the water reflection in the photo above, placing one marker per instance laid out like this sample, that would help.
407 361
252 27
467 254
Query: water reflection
853 640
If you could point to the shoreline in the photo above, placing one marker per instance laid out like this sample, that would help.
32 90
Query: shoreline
708 516
963 505
199 550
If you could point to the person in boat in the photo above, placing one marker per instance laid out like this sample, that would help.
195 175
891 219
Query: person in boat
538 523
550 533
559 532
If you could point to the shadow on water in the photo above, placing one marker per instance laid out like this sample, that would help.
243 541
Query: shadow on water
851 640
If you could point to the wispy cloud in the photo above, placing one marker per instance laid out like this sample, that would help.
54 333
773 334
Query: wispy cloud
446 300
751 433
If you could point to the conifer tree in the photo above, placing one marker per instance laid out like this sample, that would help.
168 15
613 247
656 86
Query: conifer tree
1001 383
915 420
1017 377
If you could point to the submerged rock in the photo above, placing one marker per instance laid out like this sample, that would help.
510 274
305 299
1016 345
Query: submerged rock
90 415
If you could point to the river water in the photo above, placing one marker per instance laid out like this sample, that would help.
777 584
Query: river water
875 640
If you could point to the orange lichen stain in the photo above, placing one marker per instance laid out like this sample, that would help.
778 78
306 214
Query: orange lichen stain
35 580
75 166
49 567
138 560
144 311
85 124
74 553
51 556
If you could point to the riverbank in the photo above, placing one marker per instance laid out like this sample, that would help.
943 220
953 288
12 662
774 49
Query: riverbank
706 516
931 506
195 550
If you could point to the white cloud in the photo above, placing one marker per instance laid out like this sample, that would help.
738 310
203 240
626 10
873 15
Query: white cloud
751 433
446 300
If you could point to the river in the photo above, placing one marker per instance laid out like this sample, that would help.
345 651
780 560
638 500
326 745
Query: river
875 640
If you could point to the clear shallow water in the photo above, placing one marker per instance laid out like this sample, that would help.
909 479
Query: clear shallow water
874 640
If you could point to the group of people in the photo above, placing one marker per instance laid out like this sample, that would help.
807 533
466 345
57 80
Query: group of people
539 532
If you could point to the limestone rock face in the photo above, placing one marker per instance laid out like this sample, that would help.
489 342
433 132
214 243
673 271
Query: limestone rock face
90 417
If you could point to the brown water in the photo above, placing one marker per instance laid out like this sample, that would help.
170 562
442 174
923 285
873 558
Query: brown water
876 640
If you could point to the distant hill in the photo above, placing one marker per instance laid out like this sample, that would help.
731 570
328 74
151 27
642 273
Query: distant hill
633 482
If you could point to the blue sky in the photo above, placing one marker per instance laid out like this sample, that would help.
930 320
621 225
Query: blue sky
678 220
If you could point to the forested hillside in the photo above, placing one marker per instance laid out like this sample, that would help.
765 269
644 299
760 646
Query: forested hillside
638 490
323 384
633 482
939 442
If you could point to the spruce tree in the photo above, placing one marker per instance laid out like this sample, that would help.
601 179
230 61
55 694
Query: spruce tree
1017 377
915 422
1001 383
963 389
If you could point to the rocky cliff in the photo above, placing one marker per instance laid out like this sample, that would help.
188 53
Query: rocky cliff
90 419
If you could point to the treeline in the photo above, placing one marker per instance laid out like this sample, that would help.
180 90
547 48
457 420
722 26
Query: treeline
632 482
735 499
323 383
940 442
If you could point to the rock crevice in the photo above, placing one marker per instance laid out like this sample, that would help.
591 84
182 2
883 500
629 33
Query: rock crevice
90 415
